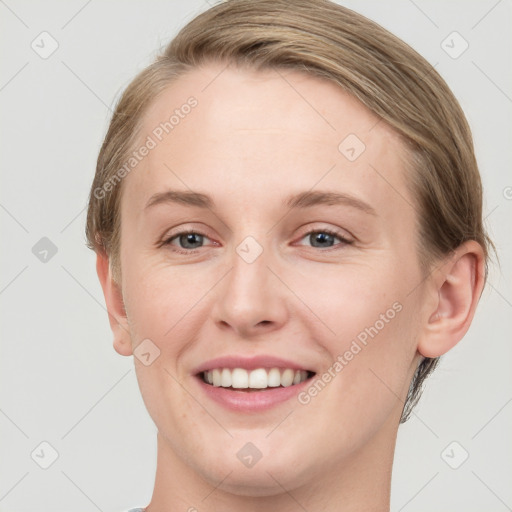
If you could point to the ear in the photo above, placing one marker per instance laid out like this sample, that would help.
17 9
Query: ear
115 306
456 289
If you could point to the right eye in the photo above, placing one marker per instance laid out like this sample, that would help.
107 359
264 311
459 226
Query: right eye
185 239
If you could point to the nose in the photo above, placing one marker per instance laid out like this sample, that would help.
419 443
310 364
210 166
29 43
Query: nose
251 299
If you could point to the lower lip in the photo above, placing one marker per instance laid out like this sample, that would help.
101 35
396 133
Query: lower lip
251 401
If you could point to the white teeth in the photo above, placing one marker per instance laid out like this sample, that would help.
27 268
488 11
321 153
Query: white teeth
225 378
287 378
274 378
240 378
260 378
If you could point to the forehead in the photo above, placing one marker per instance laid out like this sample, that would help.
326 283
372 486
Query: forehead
238 133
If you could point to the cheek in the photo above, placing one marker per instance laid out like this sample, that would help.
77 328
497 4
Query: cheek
371 346
361 393
160 297
352 301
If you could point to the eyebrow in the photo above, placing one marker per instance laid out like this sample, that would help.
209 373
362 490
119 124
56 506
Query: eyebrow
301 200
317 197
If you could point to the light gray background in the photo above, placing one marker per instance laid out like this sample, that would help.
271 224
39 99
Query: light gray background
61 380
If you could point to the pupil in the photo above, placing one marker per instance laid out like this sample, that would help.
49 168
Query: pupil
323 237
189 238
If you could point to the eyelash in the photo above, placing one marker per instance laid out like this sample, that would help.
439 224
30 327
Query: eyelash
333 233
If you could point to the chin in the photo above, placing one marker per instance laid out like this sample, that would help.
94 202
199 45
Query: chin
245 470
260 481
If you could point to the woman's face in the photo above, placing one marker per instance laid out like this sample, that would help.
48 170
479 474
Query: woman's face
304 258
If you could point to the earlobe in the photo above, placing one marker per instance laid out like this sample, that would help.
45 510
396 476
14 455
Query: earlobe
115 306
458 285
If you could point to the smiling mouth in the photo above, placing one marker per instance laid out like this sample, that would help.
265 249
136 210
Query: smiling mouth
260 379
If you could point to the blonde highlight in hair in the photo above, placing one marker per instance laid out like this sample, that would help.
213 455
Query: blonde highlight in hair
329 41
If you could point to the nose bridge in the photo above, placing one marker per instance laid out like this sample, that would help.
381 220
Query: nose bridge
250 296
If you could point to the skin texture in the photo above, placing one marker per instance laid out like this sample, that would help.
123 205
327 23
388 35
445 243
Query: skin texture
253 139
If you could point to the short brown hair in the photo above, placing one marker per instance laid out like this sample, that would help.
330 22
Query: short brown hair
323 39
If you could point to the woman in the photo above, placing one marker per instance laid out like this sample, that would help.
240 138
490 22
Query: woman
287 216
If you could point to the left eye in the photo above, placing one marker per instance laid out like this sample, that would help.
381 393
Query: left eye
324 236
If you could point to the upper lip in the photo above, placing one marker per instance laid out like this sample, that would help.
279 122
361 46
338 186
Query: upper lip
248 363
